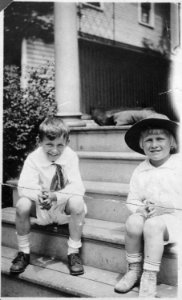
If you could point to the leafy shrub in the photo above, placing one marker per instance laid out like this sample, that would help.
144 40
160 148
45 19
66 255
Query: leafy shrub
24 109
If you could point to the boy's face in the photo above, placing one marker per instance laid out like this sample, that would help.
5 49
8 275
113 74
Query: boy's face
156 145
53 148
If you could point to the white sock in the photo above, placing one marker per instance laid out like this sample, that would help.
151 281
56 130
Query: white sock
23 243
134 257
73 246
72 250
150 265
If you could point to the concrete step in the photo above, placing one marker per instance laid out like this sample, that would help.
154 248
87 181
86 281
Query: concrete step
46 277
105 200
99 138
53 274
108 166
103 245
100 236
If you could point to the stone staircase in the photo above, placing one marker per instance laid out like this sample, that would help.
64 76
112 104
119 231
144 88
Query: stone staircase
106 165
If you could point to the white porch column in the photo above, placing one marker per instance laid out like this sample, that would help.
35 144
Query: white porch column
1 92
67 63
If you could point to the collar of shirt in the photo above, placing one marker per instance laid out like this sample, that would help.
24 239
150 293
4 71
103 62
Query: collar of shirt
171 163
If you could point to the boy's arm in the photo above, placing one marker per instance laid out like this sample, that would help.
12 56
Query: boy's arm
29 184
75 185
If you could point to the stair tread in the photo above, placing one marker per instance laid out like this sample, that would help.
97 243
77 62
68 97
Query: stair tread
54 274
111 155
100 128
105 231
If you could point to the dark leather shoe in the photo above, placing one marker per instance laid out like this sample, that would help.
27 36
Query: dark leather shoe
75 264
20 262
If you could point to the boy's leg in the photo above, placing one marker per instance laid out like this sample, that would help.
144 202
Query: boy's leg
134 250
24 208
76 208
155 233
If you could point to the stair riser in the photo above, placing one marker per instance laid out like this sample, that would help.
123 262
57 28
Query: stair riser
13 287
107 169
107 208
98 254
108 141
169 270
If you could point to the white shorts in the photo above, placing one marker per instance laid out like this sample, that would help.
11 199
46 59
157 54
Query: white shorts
56 214
173 225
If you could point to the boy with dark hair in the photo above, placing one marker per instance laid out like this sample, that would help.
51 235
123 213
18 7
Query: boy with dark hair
50 184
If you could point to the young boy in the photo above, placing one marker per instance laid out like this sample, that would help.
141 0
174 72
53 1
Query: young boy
154 198
50 182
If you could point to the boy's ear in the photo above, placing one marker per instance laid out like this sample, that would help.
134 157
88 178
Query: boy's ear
38 141
141 142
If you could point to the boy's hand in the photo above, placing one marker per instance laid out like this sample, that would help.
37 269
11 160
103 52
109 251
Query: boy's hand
159 208
44 204
46 199
142 211
151 209
52 197
41 199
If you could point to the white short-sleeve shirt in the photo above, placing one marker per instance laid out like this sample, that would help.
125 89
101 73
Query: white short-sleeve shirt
163 183
37 173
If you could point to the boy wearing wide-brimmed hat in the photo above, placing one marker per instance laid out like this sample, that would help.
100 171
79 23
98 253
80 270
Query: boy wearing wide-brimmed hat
155 200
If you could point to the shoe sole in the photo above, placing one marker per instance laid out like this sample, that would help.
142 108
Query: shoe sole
123 292
17 272
76 273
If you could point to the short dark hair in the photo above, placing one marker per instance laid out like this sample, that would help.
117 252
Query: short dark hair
52 128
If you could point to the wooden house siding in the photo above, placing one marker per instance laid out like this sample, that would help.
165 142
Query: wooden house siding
120 22
39 53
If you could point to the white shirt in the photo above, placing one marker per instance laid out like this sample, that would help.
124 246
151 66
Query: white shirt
162 183
38 171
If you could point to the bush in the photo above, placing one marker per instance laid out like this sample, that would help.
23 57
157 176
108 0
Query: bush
24 109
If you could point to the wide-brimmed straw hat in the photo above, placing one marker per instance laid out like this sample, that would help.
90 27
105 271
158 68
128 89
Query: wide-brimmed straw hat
158 121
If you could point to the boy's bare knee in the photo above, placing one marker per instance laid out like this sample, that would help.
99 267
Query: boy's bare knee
134 224
76 205
23 206
153 226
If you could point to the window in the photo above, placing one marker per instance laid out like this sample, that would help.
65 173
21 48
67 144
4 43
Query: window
94 5
146 14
